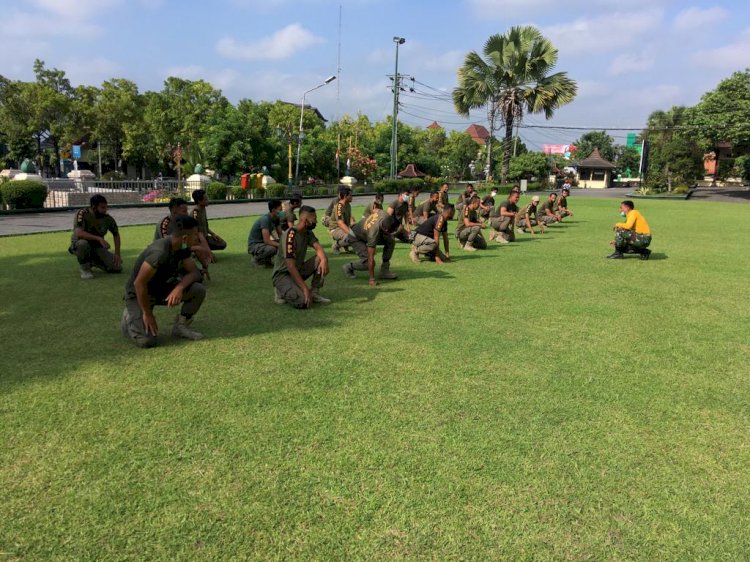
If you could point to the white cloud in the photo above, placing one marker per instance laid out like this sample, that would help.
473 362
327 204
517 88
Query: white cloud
502 9
628 63
696 18
281 45
58 18
734 56
76 9
603 33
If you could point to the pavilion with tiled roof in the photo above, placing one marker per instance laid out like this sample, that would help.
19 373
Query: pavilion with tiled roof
434 125
595 172
411 172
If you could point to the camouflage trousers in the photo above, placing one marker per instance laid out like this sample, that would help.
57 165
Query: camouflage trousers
630 240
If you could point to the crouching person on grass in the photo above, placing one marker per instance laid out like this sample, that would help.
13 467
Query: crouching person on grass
632 236
292 269
164 274
88 244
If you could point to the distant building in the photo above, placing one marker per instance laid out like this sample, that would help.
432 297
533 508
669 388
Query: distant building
479 133
434 125
595 172
315 110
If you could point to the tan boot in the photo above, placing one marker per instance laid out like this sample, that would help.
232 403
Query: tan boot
318 298
469 247
277 298
181 329
413 255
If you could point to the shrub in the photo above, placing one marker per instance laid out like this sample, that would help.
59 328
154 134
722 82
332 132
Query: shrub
216 191
24 194
393 186
359 190
238 193
681 189
113 176
275 190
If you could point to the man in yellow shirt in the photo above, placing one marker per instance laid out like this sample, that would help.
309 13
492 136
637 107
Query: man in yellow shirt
633 235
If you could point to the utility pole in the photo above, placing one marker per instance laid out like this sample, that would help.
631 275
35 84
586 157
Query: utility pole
394 133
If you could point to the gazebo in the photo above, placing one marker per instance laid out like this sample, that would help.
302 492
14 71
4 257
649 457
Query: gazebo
595 172
411 172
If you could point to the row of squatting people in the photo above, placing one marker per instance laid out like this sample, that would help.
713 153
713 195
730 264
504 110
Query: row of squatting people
91 225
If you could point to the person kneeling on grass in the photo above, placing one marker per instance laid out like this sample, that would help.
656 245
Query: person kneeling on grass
547 212
215 242
376 203
88 244
376 230
526 217
342 221
260 244
561 205
632 236
292 269
177 207
427 237
503 222
469 229
164 274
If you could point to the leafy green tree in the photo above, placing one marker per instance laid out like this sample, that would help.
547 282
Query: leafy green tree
457 154
512 77
595 139
116 107
723 114
675 154
529 165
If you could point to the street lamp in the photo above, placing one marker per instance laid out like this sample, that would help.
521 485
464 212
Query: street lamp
301 135
394 133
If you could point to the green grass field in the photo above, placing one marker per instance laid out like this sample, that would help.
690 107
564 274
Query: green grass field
533 401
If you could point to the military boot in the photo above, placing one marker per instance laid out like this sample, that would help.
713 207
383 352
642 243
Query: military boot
181 329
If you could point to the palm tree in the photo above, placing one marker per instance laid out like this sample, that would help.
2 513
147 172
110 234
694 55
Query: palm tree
510 79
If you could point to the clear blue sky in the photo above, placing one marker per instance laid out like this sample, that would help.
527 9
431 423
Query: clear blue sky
629 57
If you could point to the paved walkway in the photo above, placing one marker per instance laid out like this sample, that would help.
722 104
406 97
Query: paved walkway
32 223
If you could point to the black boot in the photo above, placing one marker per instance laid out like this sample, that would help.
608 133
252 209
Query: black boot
617 255
645 254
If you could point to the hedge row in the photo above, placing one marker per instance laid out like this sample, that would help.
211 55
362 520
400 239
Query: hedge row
23 194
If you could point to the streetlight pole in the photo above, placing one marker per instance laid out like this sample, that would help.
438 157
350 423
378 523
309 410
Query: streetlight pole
301 134
394 133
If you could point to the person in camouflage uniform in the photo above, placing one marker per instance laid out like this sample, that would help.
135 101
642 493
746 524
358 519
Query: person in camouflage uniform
164 274
546 213
399 208
469 229
371 232
427 237
561 205
260 243
287 217
376 203
292 268
526 218
342 221
88 244
503 220
443 197
215 242
427 208
632 236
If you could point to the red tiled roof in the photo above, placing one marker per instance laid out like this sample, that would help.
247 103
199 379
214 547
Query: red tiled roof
434 125
479 133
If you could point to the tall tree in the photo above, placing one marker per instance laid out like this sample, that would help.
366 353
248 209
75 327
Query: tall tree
595 139
512 77
116 108
723 114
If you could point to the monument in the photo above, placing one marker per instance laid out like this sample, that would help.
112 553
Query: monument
28 172
199 180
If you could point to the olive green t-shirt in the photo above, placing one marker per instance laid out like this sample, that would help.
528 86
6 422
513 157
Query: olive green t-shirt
331 205
90 223
547 206
199 214
368 229
426 206
342 212
528 209
292 246
443 199
400 208
561 202
470 214
286 213
266 222
165 261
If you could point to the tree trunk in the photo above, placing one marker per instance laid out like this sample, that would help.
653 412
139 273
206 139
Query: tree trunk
56 167
506 146
491 118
